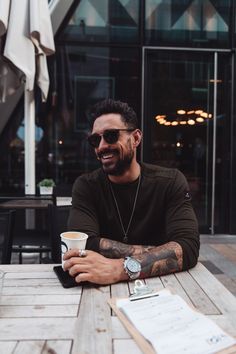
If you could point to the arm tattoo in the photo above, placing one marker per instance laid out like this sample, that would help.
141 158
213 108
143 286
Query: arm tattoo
155 260
115 249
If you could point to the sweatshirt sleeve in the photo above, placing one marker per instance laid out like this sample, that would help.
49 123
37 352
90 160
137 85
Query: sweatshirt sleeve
181 222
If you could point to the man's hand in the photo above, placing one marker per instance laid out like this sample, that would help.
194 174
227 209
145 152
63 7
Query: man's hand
94 267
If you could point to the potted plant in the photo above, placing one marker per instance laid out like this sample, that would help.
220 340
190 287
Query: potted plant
46 186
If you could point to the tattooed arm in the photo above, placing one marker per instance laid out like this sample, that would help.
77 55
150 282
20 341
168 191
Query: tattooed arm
155 261
106 267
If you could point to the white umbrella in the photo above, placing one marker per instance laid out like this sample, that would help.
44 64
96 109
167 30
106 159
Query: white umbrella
29 38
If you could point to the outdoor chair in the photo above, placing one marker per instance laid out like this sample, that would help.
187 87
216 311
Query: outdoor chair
31 235
31 241
6 235
58 223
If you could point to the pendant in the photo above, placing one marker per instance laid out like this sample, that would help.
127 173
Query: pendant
125 239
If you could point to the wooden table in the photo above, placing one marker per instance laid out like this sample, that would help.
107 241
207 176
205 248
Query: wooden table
33 202
39 316
26 202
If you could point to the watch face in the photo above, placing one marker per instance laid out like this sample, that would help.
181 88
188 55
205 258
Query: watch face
133 265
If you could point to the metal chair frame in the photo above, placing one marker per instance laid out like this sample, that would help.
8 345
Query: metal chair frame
7 219
58 224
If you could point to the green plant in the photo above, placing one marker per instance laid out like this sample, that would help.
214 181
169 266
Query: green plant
46 182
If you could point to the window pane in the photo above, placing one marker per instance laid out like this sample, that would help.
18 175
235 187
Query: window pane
84 77
104 21
178 126
195 23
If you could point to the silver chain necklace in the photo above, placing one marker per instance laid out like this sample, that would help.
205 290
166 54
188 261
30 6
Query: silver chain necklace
125 232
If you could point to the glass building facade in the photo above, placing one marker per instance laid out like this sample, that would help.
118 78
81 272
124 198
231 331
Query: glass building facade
173 61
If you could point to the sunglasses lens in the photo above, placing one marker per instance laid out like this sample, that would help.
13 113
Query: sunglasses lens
94 140
111 136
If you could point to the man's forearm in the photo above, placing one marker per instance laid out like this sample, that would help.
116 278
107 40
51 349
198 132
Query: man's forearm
155 261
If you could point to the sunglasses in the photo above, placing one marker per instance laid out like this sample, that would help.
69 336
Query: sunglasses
110 136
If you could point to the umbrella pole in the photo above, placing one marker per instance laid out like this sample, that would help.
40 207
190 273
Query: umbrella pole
29 107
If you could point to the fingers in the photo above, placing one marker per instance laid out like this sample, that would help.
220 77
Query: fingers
75 253
81 268
77 257
90 266
82 253
94 268
83 277
77 262
80 273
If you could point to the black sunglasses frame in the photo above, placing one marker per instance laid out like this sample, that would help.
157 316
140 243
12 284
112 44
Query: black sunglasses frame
111 136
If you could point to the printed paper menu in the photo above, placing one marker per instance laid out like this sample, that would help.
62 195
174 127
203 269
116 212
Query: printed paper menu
173 327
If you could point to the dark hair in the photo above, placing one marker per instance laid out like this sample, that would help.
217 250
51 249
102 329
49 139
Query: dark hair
107 106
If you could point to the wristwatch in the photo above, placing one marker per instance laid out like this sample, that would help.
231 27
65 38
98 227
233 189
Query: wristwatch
132 267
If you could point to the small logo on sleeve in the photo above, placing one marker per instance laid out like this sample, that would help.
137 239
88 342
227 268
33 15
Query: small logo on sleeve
187 196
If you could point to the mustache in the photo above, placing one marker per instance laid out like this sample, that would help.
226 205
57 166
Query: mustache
107 151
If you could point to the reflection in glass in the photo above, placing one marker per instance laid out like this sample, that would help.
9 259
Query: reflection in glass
104 21
189 23
179 124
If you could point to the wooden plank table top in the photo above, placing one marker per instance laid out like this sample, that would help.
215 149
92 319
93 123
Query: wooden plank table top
26 203
33 202
37 315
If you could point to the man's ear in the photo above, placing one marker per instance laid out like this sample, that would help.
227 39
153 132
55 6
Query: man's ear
137 134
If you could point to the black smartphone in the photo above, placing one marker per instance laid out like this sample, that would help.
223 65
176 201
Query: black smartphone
65 278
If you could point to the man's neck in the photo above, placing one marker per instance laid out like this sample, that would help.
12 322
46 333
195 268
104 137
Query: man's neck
129 176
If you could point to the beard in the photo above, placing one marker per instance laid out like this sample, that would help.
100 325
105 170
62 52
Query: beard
120 167
122 163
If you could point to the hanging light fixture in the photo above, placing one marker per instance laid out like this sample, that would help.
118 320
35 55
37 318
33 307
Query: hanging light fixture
200 119
181 111
191 122
190 117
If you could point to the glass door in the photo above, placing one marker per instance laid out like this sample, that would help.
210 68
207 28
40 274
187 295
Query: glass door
185 124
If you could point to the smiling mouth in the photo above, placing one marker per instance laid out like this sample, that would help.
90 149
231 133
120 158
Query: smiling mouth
106 155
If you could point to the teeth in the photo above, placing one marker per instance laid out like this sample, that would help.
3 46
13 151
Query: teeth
107 156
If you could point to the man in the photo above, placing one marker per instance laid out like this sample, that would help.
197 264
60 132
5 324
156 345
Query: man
138 217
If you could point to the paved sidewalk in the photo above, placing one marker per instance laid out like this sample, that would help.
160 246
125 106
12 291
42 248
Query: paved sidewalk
218 254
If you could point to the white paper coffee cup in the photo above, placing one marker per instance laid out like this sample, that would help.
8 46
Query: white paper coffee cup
70 240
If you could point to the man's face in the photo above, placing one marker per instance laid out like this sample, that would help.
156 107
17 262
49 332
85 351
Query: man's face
117 157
